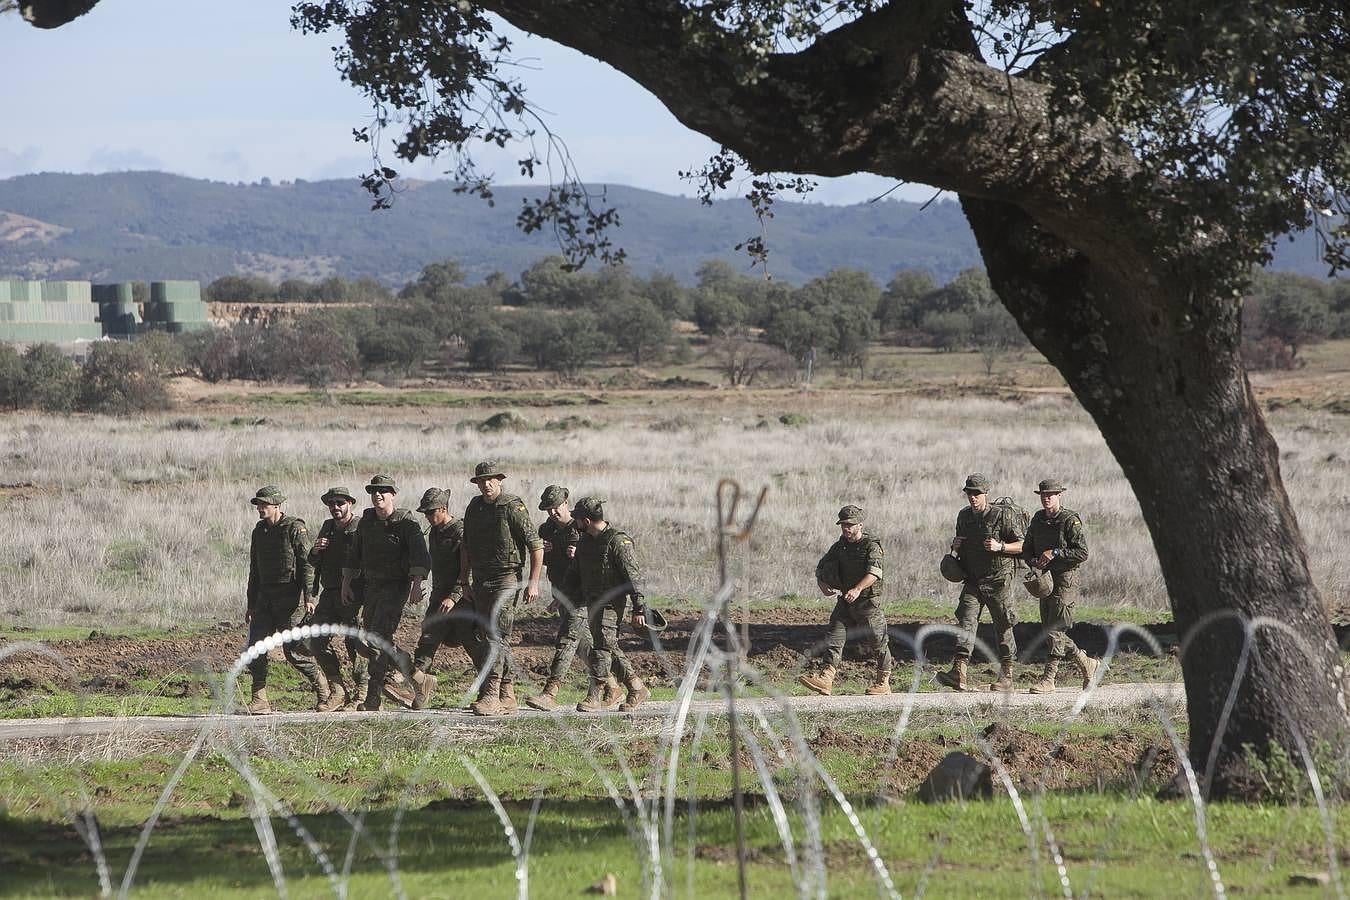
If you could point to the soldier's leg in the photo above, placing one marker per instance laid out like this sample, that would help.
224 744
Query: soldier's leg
619 664
999 601
290 611
381 614
260 626
968 608
437 628
328 612
506 627
839 622
874 618
572 625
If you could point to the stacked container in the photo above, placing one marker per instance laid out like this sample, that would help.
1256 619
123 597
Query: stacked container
56 311
176 306
117 309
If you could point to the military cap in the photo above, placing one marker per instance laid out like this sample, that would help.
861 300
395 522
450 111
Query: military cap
382 483
334 493
850 515
553 495
976 484
268 494
434 498
488 468
1050 486
589 508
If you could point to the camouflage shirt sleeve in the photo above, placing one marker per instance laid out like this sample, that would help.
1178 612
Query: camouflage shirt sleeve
351 567
251 593
875 558
625 563
419 558
301 544
1075 541
1010 531
522 529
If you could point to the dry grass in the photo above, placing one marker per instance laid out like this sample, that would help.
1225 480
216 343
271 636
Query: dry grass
144 523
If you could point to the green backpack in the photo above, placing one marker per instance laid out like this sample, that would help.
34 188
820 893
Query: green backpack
1010 507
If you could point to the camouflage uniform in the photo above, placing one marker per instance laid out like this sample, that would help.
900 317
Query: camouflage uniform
989 577
387 554
1063 534
457 627
279 578
331 610
574 633
499 537
844 565
603 575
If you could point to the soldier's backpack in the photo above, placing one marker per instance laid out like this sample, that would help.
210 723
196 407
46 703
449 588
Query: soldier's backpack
1019 515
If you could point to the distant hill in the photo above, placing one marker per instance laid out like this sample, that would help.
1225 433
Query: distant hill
150 225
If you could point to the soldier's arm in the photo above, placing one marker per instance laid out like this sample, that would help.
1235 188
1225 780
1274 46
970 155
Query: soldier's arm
1011 535
1075 542
454 571
419 560
626 564
523 531
251 592
301 544
351 567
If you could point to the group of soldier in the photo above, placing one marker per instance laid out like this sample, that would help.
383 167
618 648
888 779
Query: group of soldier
365 569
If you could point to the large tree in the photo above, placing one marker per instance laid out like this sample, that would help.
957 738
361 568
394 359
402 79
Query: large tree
1123 164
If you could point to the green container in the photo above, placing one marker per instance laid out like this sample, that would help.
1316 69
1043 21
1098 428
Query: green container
119 292
175 292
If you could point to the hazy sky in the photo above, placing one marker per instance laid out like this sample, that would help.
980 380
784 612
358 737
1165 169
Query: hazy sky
225 90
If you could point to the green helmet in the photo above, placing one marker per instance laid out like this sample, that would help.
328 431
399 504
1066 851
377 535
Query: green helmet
951 568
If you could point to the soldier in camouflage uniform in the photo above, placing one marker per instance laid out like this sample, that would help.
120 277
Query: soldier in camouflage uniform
279 577
1055 542
560 534
499 539
390 555
853 567
604 574
988 538
329 554
444 622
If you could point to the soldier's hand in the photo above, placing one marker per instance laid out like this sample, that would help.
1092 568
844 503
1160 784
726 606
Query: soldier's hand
850 595
824 588
1044 559
571 551
309 607
532 592
956 543
639 620
548 545
993 545
447 604
321 544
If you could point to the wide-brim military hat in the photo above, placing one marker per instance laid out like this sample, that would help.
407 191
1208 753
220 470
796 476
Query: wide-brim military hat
488 468
334 493
976 484
850 515
434 498
1050 486
554 495
268 495
382 483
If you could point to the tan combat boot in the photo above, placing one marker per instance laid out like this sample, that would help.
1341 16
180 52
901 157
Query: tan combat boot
821 682
1087 666
360 687
423 687
489 702
259 705
956 678
613 694
546 699
508 698
337 698
637 695
396 689
594 701
882 685
1046 683
1005 677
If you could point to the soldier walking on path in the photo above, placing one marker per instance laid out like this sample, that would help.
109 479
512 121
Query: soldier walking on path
603 576
332 548
279 578
988 537
853 567
560 534
499 539
390 555
446 622
1055 543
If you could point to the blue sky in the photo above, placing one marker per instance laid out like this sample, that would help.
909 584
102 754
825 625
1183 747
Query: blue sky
227 91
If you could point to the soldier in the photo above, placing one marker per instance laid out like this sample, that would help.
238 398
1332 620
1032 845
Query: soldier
329 557
603 575
853 567
279 577
988 537
1055 543
390 555
443 624
499 539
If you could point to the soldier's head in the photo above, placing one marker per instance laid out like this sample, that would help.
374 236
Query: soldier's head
268 500
340 503
382 491
488 476
977 491
435 506
554 501
850 523
590 514
1049 491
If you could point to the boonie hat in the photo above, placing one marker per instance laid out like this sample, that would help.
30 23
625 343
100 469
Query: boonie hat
382 483
976 484
268 495
488 468
434 498
335 492
553 496
589 508
850 515
1050 486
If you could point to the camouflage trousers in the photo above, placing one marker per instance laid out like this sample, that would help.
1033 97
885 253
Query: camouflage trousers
332 611
862 618
606 656
494 609
278 607
574 636
456 628
1057 614
995 593
381 612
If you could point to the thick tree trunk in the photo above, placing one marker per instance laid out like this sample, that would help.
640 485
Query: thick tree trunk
1154 358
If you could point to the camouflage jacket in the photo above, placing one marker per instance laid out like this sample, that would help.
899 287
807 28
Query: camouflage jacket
605 570
499 536
391 549
1063 533
444 542
330 561
556 560
995 522
279 554
845 564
